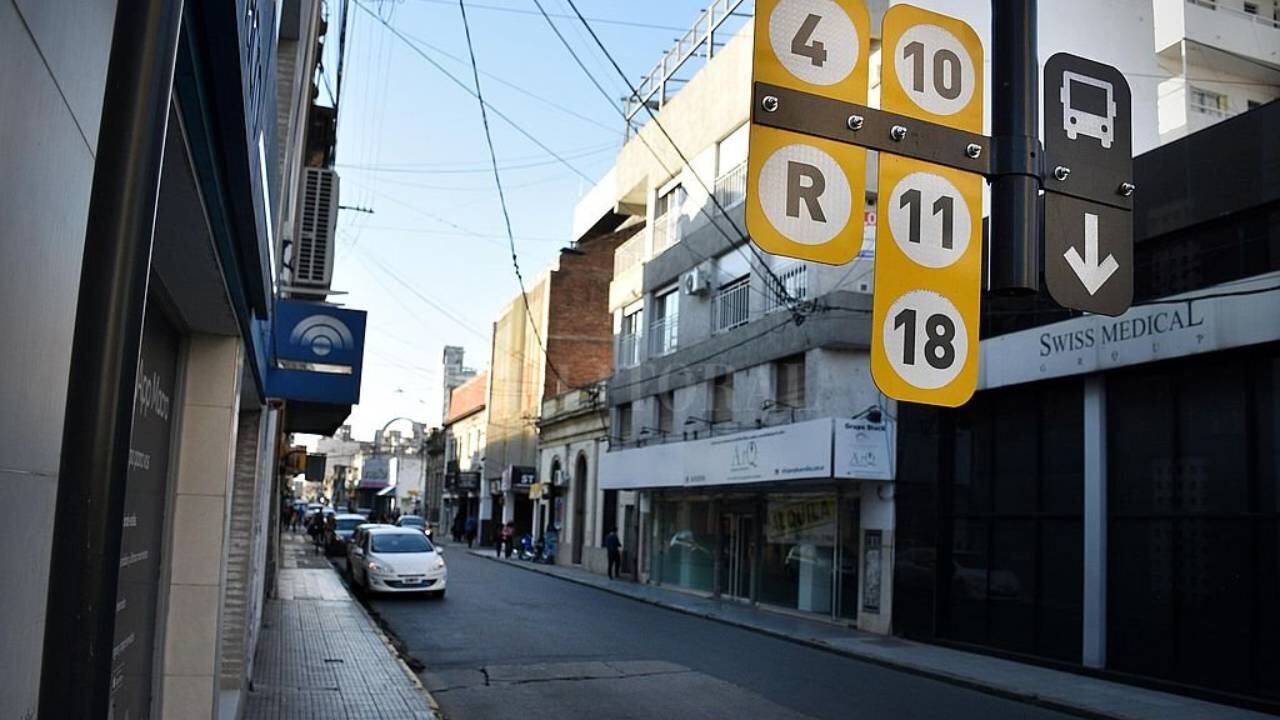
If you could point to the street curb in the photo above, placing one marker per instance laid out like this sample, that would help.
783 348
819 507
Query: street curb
391 647
950 679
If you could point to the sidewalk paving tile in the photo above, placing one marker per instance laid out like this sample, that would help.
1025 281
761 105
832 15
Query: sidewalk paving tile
321 657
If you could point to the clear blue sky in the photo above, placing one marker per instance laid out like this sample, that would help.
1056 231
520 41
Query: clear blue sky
431 264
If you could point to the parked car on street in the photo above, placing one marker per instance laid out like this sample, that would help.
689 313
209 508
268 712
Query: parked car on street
344 525
357 538
415 521
397 560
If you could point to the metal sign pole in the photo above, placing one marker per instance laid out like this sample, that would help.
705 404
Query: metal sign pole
1015 222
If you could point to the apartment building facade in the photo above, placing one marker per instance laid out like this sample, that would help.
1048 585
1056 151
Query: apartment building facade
464 447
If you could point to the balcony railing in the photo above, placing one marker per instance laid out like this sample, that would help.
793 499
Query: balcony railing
731 307
628 255
662 336
731 187
794 279
629 350
1257 17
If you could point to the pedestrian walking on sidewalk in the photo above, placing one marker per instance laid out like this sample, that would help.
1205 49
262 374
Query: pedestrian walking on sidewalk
614 547
470 528
505 538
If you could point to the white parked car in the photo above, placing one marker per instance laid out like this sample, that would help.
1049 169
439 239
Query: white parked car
396 560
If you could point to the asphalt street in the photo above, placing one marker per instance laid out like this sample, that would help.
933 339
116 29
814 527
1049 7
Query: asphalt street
511 643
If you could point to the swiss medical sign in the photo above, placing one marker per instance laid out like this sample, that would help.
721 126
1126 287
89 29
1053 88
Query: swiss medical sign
806 164
318 352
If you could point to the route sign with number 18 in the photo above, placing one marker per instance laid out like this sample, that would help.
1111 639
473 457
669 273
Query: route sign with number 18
928 274
805 194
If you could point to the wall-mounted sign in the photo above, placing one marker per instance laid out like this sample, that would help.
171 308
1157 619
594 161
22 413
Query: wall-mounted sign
318 353
863 449
146 490
785 452
871 570
806 521
1145 333
378 471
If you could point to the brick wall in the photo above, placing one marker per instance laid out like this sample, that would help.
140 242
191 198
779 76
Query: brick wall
580 341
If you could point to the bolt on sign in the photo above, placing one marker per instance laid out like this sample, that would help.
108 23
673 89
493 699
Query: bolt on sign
804 193
928 275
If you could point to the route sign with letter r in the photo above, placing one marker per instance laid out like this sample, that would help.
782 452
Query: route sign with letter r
805 194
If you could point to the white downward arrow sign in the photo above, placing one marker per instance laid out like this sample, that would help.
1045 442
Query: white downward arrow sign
1093 274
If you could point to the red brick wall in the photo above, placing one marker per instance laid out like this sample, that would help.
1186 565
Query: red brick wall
580 336
468 397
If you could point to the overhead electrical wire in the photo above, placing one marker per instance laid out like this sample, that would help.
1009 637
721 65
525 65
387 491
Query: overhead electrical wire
502 198
798 308
606 21
473 92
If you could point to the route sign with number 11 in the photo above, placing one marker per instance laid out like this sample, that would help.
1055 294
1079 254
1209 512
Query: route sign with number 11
928 274
805 194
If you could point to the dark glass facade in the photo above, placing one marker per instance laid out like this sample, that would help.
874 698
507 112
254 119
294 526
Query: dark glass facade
1194 499
990 521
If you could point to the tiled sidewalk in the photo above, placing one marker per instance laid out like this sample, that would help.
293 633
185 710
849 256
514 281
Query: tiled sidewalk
1077 694
321 657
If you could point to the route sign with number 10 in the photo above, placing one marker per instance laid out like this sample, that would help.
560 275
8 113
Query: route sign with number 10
928 274
805 195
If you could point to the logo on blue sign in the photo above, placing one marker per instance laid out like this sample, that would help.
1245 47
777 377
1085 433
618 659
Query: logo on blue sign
322 334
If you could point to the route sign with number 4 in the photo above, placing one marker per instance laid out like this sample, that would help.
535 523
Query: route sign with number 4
805 194
928 274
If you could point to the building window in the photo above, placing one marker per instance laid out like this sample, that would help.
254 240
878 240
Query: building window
666 412
624 423
1208 102
665 327
722 399
731 306
1250 8
629 338
666 218
1254 104
789 383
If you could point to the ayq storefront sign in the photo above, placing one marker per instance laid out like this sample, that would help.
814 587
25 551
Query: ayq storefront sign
785 452
1232 316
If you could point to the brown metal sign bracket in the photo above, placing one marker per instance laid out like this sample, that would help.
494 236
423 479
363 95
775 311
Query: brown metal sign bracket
888 132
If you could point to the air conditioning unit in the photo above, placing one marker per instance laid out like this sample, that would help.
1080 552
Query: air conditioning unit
697 281
317 224
557 477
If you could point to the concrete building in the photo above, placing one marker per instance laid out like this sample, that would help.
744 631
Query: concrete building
455 374
737 378
148 399
573 433
554 339
464 447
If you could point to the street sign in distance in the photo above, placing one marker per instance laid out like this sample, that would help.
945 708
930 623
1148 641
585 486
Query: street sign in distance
928 275
804 194
1088 150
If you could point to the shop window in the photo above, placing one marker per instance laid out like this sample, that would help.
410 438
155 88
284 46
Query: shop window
685 544
799 552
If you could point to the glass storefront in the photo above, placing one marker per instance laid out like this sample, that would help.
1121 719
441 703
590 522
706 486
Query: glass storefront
685 547
799 552
793 551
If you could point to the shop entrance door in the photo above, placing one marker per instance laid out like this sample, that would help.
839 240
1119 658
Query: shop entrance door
737 554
